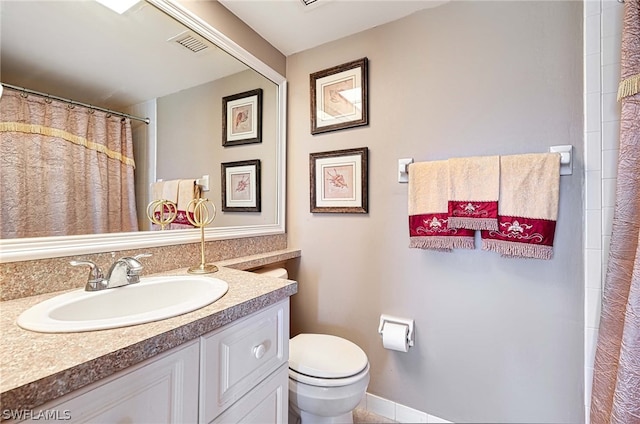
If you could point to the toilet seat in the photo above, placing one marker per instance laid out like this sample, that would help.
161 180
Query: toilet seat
326 360
328 382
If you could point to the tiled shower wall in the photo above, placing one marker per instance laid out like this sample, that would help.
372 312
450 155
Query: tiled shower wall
602 38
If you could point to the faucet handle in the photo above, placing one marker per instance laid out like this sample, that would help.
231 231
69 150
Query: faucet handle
134 262
142 255
95 273
96 277
134 267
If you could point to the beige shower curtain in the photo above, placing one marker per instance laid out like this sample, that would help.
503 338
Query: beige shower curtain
616 380
64 170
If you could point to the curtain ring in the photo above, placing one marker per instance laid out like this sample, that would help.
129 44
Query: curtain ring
48 100
24 94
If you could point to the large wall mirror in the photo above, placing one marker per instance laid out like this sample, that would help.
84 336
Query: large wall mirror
149 74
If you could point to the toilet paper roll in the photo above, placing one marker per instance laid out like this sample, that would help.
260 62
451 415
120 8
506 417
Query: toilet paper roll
394 336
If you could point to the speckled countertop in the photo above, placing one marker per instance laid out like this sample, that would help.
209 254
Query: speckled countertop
37 367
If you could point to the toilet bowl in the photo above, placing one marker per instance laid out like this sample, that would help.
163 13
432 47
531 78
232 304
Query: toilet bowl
328 375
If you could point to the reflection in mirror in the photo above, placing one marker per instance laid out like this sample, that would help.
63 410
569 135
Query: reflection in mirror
137 63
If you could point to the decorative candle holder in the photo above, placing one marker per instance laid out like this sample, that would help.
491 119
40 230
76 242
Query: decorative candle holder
166 212
204 212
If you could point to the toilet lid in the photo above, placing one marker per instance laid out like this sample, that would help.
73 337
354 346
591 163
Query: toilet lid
325 356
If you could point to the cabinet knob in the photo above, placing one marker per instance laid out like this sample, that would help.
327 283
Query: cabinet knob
258 351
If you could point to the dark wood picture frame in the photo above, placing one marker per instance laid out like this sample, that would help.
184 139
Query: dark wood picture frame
339 181
339 97
241 187
242 118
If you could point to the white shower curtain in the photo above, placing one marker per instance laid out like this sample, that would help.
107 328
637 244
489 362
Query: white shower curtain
64 169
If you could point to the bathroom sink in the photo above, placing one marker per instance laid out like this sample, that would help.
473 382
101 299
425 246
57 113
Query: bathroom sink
152 299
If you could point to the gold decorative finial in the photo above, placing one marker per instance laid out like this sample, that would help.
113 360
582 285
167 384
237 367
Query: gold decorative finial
204 212
162 212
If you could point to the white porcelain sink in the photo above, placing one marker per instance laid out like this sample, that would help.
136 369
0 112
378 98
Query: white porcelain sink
152 299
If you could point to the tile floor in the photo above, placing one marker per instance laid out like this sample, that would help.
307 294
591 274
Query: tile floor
362 416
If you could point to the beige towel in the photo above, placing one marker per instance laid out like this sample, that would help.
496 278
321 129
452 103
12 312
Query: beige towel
180 192
165 190
474 186
428 221
186 193
528 206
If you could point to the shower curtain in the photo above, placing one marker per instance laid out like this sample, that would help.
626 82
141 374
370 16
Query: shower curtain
616 380
64 169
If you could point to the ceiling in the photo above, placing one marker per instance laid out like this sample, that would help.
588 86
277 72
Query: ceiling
291 27
81 50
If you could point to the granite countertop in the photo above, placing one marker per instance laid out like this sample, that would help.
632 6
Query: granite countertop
37 367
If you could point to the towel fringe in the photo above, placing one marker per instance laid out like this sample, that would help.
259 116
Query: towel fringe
629 87
518 250
473 223
443 244
463 243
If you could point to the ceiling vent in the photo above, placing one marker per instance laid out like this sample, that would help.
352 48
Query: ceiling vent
190 41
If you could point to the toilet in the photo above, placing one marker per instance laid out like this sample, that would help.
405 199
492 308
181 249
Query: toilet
328 375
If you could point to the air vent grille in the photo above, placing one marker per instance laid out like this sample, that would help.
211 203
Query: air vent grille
192 43
190 40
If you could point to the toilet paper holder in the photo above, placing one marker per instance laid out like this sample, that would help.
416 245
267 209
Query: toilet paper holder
396 320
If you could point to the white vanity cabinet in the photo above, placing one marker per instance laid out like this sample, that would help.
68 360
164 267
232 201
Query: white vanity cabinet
244 371
235 374
163 389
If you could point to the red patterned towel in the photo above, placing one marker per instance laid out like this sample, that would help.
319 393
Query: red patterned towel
428 220
474 186
528 206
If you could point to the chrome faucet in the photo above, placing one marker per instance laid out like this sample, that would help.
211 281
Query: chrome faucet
122 272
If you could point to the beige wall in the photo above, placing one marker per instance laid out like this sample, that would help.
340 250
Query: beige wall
497 340
190 142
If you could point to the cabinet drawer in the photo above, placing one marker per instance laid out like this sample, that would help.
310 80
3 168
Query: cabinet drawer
236 358
267 403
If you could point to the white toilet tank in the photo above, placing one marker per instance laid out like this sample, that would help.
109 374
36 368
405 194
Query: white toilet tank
273 271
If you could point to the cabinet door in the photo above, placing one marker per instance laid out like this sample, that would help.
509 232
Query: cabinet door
236 358
159 390
267 403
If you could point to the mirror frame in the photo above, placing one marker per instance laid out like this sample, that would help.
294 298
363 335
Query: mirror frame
13 250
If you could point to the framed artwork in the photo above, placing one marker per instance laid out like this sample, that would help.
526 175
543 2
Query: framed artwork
339 97
241 186
339 181
242 118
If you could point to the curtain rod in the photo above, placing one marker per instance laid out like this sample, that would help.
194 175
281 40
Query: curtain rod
72 102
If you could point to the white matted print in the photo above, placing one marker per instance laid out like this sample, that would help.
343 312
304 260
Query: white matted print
242 118
241 186
339 97
339 181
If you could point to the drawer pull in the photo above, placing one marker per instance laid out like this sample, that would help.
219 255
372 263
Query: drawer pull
258 351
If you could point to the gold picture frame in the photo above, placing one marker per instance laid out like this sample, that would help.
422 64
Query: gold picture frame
339 97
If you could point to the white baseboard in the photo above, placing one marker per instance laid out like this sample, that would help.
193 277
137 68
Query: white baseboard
397 412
